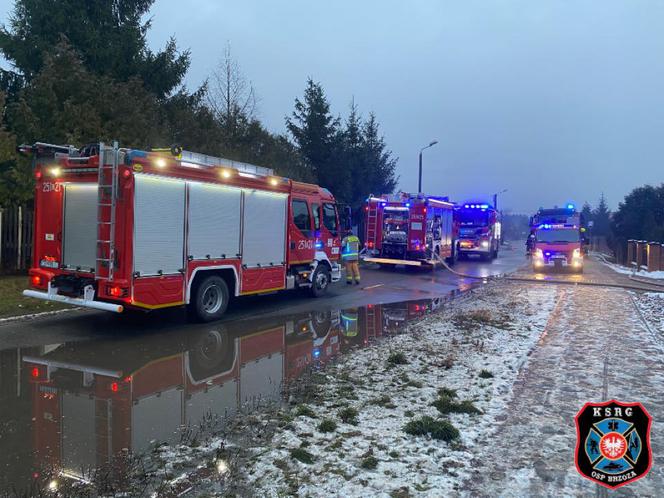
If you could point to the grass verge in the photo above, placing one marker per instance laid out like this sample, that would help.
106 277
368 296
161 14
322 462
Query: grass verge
12 302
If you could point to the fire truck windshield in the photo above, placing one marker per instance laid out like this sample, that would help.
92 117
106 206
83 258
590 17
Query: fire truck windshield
557 235
474 217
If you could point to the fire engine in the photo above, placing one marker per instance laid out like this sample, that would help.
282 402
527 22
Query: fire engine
479 230
558 239
408 229
120 228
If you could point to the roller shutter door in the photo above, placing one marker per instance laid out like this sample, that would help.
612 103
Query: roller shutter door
214 221
158 225
264 233
79 237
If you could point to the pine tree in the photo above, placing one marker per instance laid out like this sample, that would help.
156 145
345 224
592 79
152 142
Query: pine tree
601 217
380 165
316 134
109 36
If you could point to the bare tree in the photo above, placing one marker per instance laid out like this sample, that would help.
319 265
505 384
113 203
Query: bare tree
231 96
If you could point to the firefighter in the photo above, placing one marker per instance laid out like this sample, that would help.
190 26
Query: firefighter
350 254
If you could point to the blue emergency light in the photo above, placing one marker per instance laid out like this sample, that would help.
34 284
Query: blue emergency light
408 204
570 207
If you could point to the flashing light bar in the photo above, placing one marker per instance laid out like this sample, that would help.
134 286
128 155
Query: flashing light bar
396 208
476 206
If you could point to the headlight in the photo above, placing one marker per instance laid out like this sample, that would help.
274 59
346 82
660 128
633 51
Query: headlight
485 244
538 253
576 253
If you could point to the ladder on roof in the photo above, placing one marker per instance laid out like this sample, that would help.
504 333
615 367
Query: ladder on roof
107 194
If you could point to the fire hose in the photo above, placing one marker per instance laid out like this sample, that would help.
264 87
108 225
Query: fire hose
513 278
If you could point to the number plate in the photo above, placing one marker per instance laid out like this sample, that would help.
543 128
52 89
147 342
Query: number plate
44 263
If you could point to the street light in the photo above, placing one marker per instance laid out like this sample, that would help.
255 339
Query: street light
495 199
419 184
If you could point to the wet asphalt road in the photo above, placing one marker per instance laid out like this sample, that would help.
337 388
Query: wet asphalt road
379 286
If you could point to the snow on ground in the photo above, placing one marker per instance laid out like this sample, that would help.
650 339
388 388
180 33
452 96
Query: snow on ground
658 275
651 305
475 348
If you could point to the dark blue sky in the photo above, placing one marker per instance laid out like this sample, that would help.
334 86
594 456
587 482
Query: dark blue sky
554 100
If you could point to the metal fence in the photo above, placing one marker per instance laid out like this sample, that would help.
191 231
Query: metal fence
16 226
644 255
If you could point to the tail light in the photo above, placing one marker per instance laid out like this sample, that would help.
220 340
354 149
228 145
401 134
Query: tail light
36 280
35 372
117 291
114 387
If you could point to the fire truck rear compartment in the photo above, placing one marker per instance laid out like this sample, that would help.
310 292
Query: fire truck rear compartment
79 235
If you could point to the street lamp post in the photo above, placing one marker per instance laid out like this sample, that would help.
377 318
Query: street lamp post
495 199
419 183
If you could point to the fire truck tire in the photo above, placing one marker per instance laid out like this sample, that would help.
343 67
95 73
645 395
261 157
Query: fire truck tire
320 281
211 299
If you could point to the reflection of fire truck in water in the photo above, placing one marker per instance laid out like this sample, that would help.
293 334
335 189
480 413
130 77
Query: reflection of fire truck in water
557 239
406 229
94 402
122 228
479 230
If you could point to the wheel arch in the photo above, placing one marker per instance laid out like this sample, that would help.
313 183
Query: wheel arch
227 272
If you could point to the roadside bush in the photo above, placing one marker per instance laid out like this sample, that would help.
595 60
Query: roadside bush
327 425
437 429
369 463
485 374
348 415
302 455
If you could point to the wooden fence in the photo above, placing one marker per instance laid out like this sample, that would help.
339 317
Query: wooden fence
16 226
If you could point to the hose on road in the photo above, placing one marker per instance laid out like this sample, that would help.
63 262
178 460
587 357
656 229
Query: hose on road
514 278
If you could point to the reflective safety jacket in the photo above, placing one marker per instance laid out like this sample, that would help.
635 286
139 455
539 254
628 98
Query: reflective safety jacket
350 248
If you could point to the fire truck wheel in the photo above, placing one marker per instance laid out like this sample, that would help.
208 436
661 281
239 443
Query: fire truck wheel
211 299
321 281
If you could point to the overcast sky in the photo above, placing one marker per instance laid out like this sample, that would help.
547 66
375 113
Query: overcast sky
555 101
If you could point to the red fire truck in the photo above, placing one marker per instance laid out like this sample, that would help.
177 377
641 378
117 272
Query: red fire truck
479 230
407 229
121 228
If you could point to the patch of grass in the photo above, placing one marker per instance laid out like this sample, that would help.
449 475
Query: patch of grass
415 383
12 302
383 400
305 444
409 413
394 454
404 377
485 374
397 358
327 425
281 464
446 405
348 415
346 391
305 411
445 392
474 319
336 445
437 429
369 463
302 455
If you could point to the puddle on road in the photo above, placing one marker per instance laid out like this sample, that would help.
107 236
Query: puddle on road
68 408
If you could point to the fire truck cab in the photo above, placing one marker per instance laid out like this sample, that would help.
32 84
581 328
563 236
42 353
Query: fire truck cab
123 228
558 241
409 229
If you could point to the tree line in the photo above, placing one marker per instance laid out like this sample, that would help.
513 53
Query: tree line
82 72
